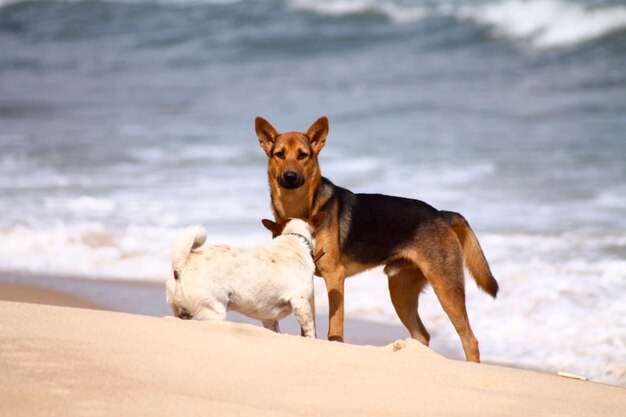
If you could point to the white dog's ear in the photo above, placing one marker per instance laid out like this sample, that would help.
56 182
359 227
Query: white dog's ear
266 133
317 134
316 221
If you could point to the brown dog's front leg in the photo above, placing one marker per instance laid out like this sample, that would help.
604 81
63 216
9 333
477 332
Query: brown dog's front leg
334 286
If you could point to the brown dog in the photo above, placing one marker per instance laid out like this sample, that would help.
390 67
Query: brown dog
417 243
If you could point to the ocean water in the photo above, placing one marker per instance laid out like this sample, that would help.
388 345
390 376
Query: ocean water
122 122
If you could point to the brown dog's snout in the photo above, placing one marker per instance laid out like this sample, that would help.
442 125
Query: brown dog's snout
290 176
290 179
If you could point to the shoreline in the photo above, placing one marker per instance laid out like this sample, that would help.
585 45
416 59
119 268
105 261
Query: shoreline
17 292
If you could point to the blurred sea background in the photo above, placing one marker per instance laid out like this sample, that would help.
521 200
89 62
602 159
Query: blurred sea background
121 122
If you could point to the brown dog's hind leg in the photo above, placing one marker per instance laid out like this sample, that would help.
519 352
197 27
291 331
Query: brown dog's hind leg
405 286
449 285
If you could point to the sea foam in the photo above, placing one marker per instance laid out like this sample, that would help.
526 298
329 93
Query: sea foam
394 11
547 23
542 23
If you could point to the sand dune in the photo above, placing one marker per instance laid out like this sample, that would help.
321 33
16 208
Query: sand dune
68 361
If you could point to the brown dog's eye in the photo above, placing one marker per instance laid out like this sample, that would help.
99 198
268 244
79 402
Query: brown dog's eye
302 155
280 155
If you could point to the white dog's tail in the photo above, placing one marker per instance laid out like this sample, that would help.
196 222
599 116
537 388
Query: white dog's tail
192 238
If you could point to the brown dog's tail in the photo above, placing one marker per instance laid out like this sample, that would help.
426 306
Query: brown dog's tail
472 252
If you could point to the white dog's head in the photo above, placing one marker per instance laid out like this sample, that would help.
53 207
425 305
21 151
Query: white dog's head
172 299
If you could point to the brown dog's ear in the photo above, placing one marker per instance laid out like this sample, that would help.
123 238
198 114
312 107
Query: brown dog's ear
269 225
317 134
266 134
275 228
316 221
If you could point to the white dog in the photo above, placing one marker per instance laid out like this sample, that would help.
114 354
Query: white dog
265 282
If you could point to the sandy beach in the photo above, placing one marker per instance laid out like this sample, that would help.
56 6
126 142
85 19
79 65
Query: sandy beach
72 360
124 122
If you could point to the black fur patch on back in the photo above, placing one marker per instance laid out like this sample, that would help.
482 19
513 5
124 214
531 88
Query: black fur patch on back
176 275
380 224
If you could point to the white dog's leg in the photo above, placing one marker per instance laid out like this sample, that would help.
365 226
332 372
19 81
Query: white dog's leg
271 325
312 304
303 311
